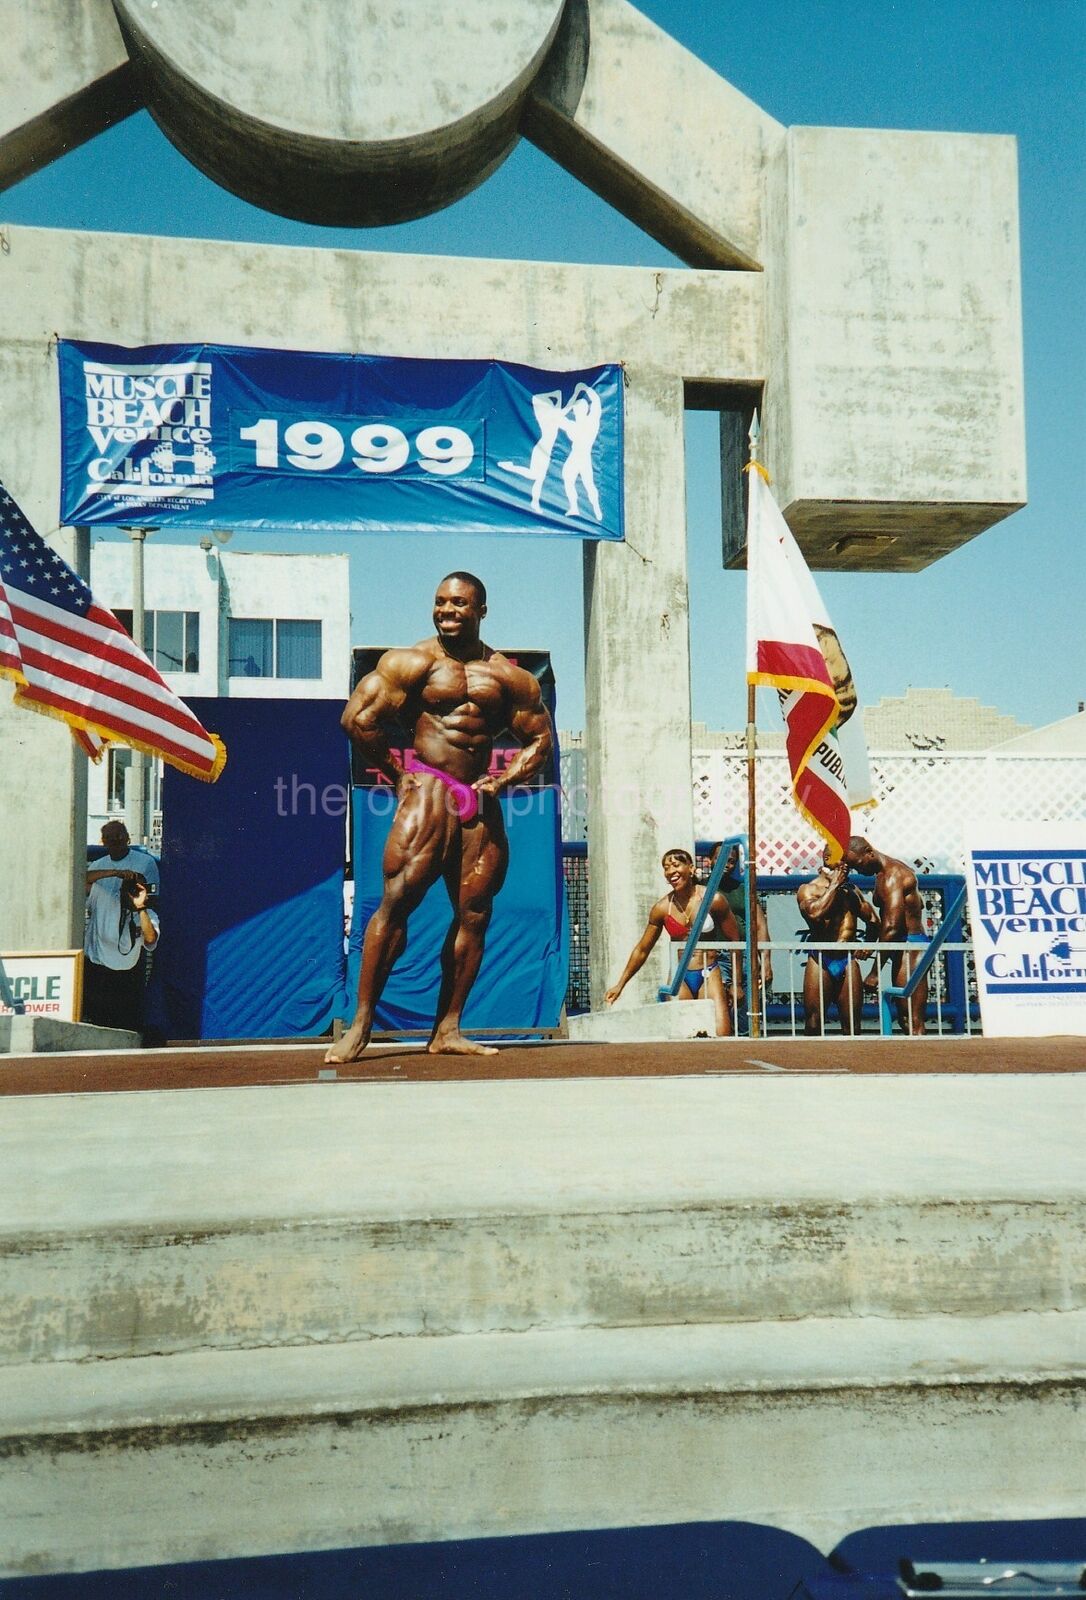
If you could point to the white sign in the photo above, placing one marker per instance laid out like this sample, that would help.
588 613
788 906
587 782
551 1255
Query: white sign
1027 913
42 983
170 404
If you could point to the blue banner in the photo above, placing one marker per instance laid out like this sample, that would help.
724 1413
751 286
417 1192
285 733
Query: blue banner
214 436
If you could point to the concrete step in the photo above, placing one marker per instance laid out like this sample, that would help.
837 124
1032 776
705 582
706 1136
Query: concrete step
163 1223
626 1024
296 1281
819 1427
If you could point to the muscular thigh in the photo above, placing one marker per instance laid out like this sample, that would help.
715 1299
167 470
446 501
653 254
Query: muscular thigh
714 983
475 878
903 964
419 840
817 983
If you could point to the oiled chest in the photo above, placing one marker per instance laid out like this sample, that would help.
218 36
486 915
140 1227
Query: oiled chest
454 684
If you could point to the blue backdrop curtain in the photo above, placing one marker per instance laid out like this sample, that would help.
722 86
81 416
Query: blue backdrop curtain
252 878
252 939
522 981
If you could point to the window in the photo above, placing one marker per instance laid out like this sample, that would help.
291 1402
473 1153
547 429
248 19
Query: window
252 647
298 650
171 638
119 763
274 647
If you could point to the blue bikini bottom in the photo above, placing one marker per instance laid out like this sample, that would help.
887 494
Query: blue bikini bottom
695 980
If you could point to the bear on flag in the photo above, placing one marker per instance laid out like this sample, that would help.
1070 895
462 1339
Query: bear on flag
793 647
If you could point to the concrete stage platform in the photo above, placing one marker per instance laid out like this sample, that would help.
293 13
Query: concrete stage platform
815 1285
208 1066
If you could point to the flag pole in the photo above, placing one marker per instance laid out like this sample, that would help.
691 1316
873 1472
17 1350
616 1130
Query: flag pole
754 1004
135 795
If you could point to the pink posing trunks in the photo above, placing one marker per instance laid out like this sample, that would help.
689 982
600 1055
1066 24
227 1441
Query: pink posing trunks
465 799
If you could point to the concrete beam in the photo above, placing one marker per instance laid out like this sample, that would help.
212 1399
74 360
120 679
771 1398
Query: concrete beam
64 77
590 111
664 324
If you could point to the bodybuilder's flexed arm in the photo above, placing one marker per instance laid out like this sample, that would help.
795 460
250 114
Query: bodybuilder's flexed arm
529 722
377 699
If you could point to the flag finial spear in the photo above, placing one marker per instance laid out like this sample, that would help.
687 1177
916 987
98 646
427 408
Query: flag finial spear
754 434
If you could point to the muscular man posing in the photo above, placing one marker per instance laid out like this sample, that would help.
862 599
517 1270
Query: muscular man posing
901 921
831 906
457 694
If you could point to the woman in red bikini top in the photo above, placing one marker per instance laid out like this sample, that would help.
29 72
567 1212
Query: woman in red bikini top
675 915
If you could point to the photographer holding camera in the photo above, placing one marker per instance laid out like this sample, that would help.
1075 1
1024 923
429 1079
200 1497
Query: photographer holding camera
120 927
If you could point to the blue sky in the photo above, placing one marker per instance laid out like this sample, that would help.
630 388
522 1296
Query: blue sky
1002 618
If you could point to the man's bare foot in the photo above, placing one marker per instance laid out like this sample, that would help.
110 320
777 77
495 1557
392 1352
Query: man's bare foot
351 1045
454 1044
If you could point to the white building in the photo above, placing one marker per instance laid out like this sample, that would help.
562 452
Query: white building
1068 736
221 622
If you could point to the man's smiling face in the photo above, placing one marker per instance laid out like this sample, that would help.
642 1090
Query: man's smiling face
458 611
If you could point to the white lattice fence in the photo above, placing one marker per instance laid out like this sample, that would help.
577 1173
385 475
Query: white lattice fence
926 802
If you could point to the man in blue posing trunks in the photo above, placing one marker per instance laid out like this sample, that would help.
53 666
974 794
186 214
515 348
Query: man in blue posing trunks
901 921
831 906
457 694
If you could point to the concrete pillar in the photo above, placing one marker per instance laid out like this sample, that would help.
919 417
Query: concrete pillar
637 687
43 800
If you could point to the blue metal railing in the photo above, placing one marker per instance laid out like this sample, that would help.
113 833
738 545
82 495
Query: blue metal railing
906 990
953 1009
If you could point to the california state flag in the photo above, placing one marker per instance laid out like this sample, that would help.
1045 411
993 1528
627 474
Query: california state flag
793 647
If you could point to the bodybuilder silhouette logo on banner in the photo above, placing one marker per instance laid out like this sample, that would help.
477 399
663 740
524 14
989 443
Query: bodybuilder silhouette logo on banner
579 420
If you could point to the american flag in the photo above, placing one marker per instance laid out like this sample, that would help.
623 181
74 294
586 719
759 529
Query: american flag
70 658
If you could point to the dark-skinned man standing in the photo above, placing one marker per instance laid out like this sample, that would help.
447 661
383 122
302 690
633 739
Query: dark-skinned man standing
457 694
832 908
901 921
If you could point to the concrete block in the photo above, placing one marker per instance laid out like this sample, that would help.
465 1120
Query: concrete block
27 1036
624 1023
145 1224
109 1293
360 1313
894 403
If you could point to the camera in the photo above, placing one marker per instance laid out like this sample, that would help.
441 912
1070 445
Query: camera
130 887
